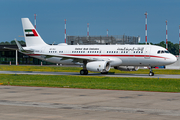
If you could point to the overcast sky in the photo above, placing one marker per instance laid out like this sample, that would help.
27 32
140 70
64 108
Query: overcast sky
118 16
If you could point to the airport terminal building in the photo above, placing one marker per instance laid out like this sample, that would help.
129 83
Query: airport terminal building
9 56
102 40
12 56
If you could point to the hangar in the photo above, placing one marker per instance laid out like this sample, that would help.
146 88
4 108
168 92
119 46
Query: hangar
7 56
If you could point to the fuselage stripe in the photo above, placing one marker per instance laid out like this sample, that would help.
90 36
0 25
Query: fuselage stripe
93 55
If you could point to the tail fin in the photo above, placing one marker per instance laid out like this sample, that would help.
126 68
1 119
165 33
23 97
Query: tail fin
32 37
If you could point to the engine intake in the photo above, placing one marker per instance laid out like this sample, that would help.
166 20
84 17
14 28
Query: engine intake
127 68
98 66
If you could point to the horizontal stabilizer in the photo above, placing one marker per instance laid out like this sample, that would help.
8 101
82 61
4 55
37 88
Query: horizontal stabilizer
10 48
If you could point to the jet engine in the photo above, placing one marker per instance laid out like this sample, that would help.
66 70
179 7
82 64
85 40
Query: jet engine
127 68
98 66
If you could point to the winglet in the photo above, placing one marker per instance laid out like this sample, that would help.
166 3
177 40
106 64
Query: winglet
19 46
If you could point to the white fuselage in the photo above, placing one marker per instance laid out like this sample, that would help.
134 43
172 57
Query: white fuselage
130 55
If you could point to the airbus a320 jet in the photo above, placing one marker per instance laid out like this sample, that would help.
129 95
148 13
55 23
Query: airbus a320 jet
98 58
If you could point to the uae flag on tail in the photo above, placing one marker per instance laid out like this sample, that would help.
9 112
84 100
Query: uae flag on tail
30 32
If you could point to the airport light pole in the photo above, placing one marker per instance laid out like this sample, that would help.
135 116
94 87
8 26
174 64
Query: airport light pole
146 27
166 37
65 32
179 40
35 20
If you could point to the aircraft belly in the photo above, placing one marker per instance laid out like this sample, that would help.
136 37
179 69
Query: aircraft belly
56 60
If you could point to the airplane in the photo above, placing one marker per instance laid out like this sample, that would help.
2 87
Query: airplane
97 58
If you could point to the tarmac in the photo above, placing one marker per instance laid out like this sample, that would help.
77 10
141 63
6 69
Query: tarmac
90 74
42 103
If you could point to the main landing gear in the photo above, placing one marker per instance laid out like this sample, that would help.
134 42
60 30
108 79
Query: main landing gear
83 72
151 73
104 72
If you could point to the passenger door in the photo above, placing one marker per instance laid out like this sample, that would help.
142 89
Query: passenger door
147 52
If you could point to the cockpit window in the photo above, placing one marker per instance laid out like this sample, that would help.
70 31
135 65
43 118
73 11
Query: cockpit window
166 51
162 51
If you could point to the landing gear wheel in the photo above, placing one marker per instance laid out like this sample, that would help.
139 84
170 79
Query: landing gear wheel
151 74
83 72
104 72
86 72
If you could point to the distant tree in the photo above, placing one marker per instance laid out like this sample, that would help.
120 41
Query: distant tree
13 42
162 44
22 42
2 43
176 51
7 43
172 48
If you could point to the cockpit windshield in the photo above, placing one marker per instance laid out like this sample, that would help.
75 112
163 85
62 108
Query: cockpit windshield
162 51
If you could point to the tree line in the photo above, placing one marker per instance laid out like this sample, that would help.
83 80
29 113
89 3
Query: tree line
12 42
172 48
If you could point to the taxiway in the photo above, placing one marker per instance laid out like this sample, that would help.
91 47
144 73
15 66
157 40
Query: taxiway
39 103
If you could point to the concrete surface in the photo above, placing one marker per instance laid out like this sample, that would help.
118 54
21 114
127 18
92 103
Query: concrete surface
38 103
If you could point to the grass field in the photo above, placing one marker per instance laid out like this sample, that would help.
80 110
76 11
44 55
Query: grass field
77 69
91 82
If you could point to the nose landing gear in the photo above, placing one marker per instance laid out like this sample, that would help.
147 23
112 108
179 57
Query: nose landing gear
151 73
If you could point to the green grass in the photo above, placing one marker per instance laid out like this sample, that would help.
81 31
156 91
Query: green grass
77 69
91 82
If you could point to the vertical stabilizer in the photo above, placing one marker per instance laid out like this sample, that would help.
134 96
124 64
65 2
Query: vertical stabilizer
32 37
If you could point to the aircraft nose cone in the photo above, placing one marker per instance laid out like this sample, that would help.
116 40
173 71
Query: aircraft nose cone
173 59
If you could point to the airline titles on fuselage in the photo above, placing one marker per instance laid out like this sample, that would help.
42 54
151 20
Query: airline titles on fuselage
86 48
122 49
131 49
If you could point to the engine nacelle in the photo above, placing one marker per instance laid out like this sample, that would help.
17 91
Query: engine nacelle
98 66
127 68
